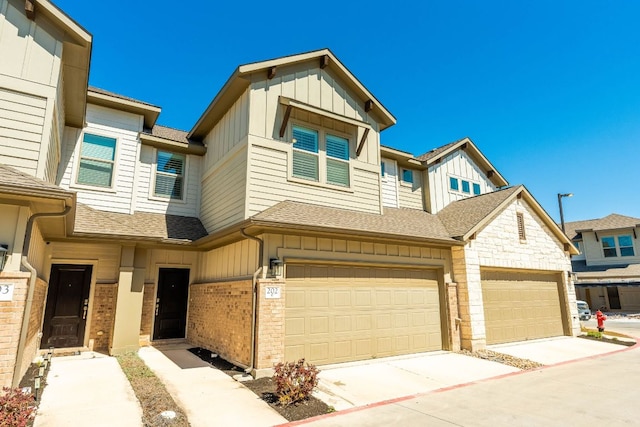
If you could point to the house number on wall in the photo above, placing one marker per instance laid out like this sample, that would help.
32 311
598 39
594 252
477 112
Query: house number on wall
272 292
6 291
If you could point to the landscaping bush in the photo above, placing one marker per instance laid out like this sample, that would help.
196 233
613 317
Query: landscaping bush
294 381
16 408
594 334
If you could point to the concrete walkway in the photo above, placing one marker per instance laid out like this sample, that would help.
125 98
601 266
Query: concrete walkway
89 389
209 396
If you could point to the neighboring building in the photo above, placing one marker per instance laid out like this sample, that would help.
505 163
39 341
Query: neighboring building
607 271
278 227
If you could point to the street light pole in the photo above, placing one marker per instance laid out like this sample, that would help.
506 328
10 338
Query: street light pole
560 196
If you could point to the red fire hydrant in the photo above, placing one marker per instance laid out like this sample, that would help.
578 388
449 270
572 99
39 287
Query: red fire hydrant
600 318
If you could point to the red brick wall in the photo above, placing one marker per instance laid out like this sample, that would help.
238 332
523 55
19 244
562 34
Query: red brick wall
10 324
220 319
102 317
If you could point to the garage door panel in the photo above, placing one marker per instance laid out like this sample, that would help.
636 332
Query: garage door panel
518 307
351 319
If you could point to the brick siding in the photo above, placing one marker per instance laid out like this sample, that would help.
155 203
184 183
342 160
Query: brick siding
103 315
10 324
148 312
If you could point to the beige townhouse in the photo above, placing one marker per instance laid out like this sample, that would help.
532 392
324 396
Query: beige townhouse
278 227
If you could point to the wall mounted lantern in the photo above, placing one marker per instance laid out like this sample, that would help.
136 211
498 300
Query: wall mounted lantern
276 267
4 254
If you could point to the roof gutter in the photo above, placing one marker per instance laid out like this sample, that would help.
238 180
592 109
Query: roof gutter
30 288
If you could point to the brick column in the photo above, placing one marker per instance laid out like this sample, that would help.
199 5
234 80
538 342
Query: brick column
269 327
454 316
466 271
11 313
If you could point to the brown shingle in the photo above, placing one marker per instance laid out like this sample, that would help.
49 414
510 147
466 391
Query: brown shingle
436 151
394 221
169 133
609 222
460 217
140 224
117 95
11 178
608 272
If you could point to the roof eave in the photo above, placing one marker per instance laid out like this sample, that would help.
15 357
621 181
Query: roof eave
180 147
149 112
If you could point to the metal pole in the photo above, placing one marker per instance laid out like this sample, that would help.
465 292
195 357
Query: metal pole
561 213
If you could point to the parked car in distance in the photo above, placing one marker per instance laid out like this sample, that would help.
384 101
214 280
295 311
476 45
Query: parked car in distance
583 310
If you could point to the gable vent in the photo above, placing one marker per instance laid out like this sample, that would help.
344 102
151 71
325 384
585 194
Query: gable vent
521 232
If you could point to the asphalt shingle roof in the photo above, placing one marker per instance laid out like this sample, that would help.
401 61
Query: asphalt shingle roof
140 224
168 133
462 216
609 222
11 177
585 271
117 95
436 151
394 221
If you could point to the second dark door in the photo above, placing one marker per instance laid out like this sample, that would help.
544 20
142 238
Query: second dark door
171 303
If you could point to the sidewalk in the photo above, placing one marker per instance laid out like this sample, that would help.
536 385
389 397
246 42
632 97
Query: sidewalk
89 389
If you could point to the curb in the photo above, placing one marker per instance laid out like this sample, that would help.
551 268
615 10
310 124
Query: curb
454 387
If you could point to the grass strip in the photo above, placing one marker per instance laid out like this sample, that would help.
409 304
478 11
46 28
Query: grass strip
152 394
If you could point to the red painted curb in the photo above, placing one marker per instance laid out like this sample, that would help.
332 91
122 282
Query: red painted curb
453 387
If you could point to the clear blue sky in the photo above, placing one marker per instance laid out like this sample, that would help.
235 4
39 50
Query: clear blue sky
548 90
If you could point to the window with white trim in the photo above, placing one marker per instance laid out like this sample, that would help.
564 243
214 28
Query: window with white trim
314 151
97 161
624 246
169 175
407 176
476 189
464 186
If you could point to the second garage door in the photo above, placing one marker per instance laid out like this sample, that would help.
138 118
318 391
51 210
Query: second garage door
520 306
342 313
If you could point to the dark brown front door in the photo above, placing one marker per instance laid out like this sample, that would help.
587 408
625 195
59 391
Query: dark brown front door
171 303
65 317
614 297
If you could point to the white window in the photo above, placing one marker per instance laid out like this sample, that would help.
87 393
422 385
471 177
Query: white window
169 175
314 151
97 161
624 246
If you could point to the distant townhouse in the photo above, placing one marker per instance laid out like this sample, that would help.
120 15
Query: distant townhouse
278 227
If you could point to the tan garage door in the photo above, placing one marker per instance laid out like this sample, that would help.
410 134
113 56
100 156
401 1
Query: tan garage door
520 306
342 313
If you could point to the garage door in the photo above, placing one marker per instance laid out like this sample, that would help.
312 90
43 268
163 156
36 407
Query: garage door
341 313
520 306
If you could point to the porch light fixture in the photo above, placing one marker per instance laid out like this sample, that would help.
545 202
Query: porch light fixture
4 254
276 267
560 196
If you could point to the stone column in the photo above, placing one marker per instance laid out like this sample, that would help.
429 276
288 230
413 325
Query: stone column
269 326
466 271
126 328
454 317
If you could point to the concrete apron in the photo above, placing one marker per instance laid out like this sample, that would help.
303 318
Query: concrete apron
356 384
208 396
89 389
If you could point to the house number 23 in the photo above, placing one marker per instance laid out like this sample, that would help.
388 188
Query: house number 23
272 292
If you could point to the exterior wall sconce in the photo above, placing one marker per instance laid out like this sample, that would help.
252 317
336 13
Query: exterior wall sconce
276 267
4 254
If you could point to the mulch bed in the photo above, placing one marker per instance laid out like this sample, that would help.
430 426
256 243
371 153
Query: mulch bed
29 381
505 359
265 389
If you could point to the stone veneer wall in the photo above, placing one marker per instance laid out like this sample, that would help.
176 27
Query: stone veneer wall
11 313
103 315
219 319
148 312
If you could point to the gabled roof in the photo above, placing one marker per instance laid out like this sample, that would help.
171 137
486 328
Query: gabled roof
434 156
610 222
585 271
394 223
466 217
116 101
240 80
139 226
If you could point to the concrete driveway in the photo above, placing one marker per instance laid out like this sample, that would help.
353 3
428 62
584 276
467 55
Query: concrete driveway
346 386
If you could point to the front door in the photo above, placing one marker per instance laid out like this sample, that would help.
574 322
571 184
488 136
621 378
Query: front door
614 297
65 316
171 303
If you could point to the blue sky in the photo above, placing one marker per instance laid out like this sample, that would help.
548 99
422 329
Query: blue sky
548 90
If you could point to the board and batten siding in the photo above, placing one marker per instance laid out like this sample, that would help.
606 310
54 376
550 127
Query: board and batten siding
146 202
22 119
314 86
269 184
106 255
230 131
224 190
114 124
410 195
167 258
236 260
595 254
31 50
460 165
389 183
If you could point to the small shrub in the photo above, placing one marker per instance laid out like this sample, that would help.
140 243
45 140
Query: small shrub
595 334
16 407
294 381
